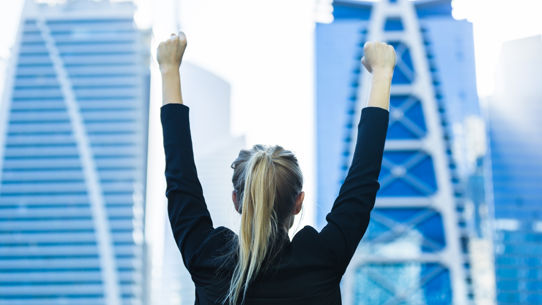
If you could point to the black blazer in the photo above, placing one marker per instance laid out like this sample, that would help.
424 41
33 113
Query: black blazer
309 268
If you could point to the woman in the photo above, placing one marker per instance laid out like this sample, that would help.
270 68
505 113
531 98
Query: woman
262 265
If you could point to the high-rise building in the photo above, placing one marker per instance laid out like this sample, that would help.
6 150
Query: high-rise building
73 154
516 170
416 249
215 148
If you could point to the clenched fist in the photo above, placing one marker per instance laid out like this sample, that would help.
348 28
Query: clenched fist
379 56
170 52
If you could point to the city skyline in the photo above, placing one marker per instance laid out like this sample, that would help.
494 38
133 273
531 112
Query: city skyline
73 151
81 87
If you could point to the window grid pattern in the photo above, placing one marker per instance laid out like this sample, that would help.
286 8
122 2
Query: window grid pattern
48 248
516 166
408 175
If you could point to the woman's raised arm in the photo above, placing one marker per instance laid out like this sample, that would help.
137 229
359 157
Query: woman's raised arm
188 215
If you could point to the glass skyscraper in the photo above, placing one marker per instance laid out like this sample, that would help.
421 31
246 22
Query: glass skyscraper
73 155
416 249
516 169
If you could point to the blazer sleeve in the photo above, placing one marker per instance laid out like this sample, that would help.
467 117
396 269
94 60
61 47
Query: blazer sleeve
188 214
349 216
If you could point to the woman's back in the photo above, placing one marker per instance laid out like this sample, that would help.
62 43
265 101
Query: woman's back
301 273
308 268
262 265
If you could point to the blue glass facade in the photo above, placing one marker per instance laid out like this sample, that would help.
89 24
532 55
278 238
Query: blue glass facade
74 150
420 201
516 167
383 289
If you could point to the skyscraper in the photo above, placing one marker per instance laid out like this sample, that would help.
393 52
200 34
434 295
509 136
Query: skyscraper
215 148
516 168
73 153
416 248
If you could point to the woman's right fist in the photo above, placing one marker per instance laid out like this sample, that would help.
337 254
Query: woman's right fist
378 56
170 52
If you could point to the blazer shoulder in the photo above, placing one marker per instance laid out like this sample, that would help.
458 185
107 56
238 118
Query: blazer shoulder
306 235
217 243
313 248
220 236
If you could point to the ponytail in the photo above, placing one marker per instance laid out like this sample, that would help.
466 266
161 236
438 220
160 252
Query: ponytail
258 222
267 181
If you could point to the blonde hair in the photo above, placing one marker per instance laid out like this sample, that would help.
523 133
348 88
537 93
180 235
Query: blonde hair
267 180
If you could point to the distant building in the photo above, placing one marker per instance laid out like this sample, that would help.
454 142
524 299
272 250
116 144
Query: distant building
215 148
516 166
416 250
73 154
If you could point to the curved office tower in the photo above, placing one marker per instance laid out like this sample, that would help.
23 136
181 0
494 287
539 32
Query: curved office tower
414 251
73 139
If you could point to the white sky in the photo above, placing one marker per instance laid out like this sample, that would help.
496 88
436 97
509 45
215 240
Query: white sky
267 60
494 21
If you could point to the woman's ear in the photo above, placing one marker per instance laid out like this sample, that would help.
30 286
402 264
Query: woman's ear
299 202
234 199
